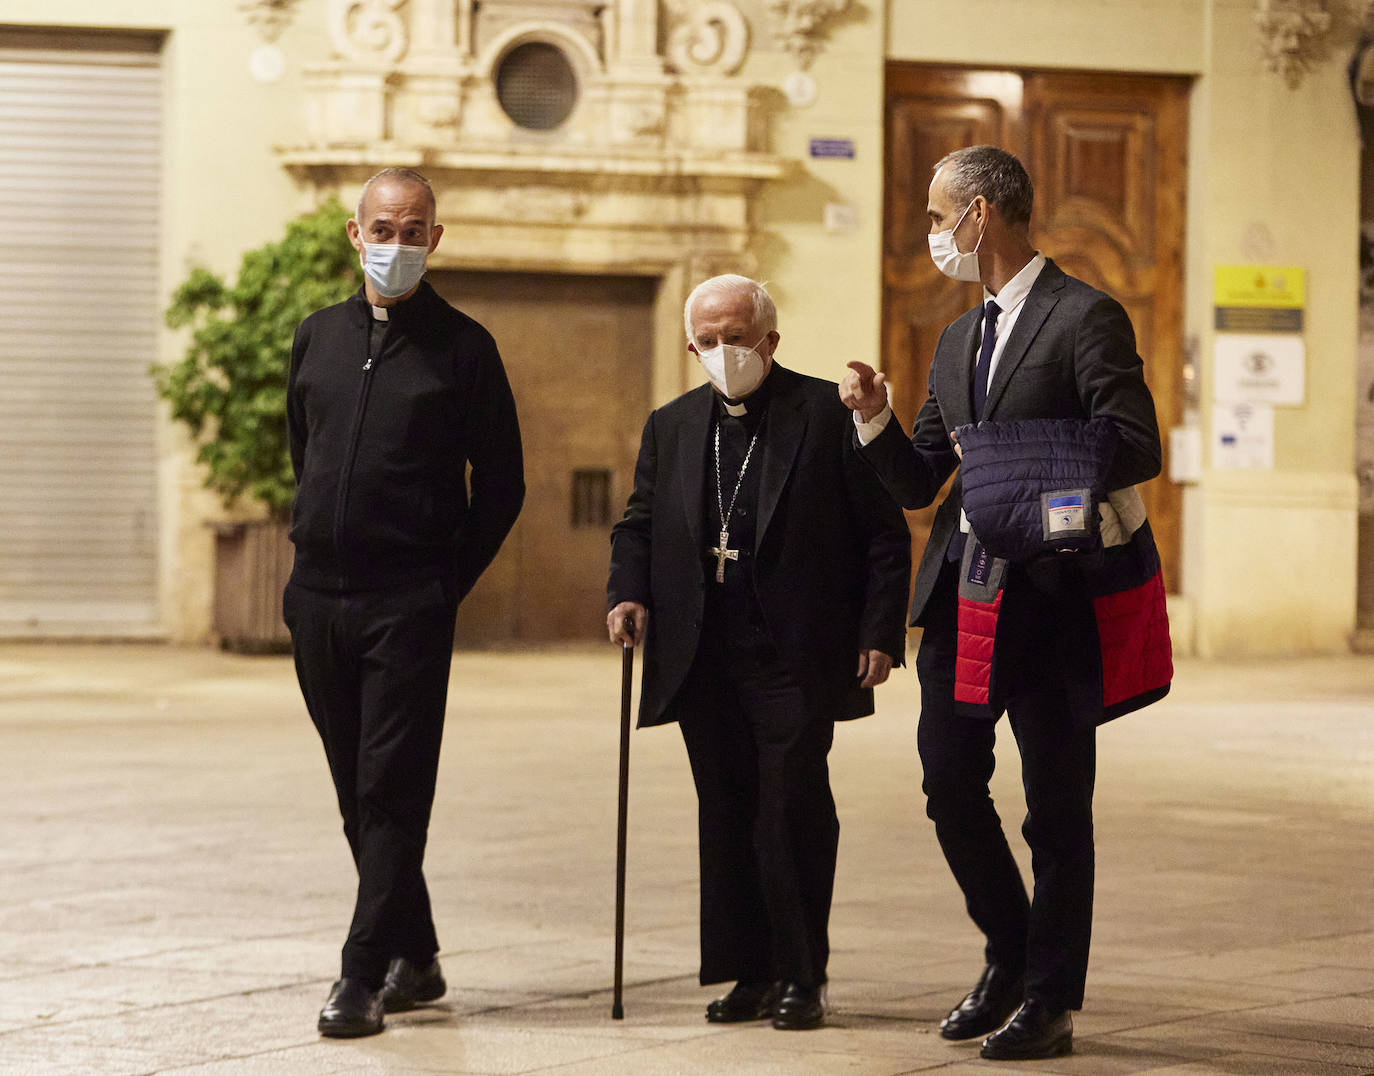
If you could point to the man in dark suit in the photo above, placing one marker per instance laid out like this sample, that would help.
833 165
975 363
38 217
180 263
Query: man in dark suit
1043 346
765 570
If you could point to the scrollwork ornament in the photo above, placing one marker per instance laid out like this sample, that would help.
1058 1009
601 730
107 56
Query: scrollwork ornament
1294 36
368 30
710 37
800 25
268 17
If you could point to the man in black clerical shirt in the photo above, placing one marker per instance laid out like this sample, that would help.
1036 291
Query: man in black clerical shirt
765 571
392 394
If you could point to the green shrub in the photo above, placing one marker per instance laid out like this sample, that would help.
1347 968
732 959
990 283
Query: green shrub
230 387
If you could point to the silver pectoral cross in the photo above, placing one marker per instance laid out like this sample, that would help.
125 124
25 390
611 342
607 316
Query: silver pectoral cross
722 553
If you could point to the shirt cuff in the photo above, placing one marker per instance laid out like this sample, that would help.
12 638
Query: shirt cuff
868 431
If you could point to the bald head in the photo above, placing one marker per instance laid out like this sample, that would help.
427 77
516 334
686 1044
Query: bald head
406 177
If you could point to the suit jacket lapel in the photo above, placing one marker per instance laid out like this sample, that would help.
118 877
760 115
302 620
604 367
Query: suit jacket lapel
1043 297
954 372
784 429
692 448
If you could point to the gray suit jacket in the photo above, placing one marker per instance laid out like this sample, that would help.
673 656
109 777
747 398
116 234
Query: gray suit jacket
1071 354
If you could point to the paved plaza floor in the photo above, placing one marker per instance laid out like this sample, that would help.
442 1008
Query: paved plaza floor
174 885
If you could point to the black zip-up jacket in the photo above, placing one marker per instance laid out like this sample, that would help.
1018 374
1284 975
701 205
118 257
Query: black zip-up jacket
381 448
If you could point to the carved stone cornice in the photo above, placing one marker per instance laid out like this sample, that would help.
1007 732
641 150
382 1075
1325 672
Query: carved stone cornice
617 169
801 25
268 17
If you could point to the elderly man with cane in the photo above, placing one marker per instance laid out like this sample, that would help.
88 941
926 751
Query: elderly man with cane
765 571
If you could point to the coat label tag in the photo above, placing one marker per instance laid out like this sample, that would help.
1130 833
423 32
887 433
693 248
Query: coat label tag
980 572
1066 513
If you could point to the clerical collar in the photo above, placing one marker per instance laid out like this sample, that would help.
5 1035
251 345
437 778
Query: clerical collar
379 313
753 404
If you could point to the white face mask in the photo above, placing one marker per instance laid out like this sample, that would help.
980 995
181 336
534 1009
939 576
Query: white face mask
735 371
949 259
392 268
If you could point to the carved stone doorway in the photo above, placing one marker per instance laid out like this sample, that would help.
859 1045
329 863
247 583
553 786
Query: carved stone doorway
579 353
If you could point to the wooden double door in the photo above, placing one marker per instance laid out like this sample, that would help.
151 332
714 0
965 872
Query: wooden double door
1107 154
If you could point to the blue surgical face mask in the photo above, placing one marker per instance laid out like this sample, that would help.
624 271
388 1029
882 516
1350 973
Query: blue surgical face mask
393 269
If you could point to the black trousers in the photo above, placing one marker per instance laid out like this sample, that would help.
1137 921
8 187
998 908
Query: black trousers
373 667
1047 679
768 832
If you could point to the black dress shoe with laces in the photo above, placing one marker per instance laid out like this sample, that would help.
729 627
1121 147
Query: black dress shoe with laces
986 1007
409 984
800 1008
747 1001
353 1010
1035 1031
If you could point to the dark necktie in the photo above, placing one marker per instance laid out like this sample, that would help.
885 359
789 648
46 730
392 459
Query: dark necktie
980 372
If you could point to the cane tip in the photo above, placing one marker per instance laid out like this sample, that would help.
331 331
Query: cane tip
617 1012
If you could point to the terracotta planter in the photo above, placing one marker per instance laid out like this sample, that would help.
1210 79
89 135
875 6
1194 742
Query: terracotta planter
252 564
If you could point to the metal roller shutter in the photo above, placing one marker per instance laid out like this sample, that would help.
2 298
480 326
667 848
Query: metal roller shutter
80 163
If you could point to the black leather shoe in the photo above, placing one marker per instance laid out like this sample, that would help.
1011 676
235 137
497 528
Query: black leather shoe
747 1001
986 1007
351 1011
800 1008
408 984
1035 1031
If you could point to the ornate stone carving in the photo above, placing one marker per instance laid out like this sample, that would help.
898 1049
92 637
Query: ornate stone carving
1295 35
438 114
800 25
368 30
269 17
710 37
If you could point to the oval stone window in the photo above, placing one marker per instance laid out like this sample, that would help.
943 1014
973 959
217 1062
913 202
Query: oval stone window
536 86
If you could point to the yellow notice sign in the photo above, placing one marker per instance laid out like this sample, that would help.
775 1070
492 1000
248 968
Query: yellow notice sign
1274 286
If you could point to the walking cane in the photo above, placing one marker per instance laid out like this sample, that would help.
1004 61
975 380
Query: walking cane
627 664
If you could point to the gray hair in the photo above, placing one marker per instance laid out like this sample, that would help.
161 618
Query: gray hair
403 175
995 174
765 313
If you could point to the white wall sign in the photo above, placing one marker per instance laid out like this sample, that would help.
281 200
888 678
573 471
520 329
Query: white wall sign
1185 454
841 217
1267 368
800 89
1243 437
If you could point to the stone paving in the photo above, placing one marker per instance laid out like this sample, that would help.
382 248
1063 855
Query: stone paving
176 887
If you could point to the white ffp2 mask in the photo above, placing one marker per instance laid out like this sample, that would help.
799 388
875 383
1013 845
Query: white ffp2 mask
735 371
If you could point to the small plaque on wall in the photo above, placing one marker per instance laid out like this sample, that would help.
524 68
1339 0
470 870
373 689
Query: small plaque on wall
1259 298
1259 368
841 148
1243 437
